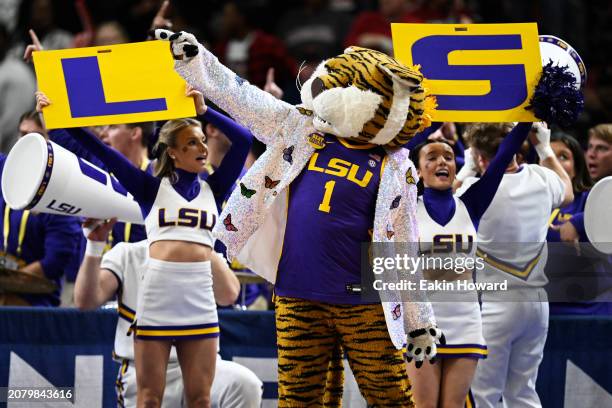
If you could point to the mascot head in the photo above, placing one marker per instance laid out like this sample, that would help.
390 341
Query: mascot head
367 96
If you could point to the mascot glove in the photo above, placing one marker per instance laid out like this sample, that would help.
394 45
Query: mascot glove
421 344
469 168
543 136
184 46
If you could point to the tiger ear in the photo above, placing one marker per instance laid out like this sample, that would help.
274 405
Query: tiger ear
334 80
355 48
405 76
336 74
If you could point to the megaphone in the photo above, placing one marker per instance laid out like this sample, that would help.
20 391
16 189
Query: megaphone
562 54
42 176
597 220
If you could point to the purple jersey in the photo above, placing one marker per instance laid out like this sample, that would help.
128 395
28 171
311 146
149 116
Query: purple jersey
330 215
564 261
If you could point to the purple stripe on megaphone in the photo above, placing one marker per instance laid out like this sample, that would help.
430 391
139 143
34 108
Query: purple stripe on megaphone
91 172
46 177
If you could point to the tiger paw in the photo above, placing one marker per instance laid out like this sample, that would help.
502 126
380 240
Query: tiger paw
184 46
422 343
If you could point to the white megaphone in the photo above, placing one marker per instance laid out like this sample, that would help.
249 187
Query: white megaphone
42 176
597 220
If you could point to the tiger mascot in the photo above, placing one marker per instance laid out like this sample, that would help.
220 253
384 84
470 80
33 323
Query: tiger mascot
333 176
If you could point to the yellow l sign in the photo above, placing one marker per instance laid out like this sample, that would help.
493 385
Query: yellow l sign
123 83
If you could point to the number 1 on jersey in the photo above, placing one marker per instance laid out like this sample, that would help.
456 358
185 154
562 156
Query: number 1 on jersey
329 189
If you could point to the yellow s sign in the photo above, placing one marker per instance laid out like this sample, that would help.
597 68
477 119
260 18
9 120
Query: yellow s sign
478 72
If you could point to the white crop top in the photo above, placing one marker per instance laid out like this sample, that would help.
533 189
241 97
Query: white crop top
174 218
455 239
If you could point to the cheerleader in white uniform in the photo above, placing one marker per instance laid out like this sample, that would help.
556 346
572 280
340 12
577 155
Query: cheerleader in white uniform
176 304
447 229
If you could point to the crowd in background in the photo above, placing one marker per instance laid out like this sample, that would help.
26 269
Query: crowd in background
252 36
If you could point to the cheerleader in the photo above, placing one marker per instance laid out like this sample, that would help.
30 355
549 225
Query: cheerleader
447 227
176 304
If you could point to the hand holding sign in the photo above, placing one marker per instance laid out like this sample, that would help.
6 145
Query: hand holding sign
198 99
41 101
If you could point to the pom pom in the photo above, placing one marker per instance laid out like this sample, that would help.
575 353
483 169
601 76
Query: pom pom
556 98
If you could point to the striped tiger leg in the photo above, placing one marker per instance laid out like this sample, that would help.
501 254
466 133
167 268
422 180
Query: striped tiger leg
305 341
378 366
334 384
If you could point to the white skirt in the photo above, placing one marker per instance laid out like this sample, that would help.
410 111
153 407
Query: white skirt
461 323
176 302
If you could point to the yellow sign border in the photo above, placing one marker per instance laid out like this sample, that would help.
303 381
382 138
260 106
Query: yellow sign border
405 35
134 71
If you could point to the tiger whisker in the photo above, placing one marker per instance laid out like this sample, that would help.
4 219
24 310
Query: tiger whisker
298 85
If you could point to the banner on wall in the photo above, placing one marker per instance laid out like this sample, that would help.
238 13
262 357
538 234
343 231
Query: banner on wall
478 72
124 83
64 348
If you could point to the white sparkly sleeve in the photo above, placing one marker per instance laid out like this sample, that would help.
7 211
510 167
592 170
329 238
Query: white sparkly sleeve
418 312
260 112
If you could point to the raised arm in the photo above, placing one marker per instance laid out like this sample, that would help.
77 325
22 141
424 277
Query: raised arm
259 111
63 138
222 180
480 194
140 184
541 142
422 136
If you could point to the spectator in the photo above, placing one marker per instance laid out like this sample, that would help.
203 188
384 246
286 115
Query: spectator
250 52
313 32
569 262
8 13
44 245
599 164
16 87
40 16
442 11
599 152
110 32
372 29
571 157
137 16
